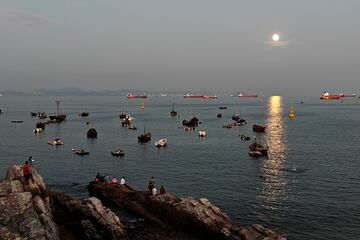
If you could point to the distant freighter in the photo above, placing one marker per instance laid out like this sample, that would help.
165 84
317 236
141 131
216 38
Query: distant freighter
199 96
131 96
327 96
243 95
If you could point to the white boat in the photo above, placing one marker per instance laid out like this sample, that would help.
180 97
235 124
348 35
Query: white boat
37 130
202 133
161 142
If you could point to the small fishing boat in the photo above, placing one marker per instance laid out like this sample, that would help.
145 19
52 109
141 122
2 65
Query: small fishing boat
244 95
122 116
40 124
256 147
117 152
58 117
56 142
41 115
219 115
202 133
173 112
161 142
33 114
142 106
258 128
84 114
192 123
17 121
238 119
131 96
244 137
255 153
145 137
91 133
223 107
80 152
38 130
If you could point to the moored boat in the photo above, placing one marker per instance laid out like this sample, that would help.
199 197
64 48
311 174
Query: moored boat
202 133
117 152
84 114
186 95
56 142
145 137
173 112
258 128
80 152
161 142
131 96
244 95
256 148
38 130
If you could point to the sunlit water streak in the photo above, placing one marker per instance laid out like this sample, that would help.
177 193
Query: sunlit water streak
274 187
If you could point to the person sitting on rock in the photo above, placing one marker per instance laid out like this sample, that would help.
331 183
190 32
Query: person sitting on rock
97 178
122 181
153 191
162 189
26 171
114 180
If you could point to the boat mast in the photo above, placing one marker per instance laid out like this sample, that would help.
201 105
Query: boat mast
57 106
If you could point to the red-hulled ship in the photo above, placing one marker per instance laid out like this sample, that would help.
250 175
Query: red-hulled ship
327 96
243 95
131 96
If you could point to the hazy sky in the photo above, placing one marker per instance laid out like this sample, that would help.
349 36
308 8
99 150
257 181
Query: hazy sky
189 45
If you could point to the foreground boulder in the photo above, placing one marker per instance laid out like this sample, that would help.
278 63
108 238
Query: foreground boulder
199 217
88 219
25 211
29 211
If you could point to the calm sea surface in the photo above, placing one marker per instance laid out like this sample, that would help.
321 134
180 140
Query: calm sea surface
307 188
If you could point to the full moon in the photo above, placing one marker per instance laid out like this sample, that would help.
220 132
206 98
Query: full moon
275 37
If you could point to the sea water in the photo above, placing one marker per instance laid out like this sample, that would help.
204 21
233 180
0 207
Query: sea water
307 188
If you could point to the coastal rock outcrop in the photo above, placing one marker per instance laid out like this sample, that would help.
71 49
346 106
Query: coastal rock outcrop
25 211
88 218
28 210
199 217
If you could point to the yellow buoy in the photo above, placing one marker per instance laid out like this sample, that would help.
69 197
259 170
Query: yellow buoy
292 114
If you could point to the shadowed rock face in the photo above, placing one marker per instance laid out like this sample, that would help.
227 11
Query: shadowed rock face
199 217
29 211
89 219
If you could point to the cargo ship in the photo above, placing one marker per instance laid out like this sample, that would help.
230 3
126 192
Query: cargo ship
131 96
193 96
327 96
200 96
243 95
347 95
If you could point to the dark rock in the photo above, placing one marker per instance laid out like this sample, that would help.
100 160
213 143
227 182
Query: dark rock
198 217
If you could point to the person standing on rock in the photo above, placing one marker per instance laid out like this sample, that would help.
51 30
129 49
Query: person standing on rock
26 171
151 184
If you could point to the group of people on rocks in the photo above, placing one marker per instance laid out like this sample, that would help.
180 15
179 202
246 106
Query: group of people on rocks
109 179
112 180
152 189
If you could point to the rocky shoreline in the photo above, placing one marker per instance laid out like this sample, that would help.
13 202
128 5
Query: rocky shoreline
29 210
